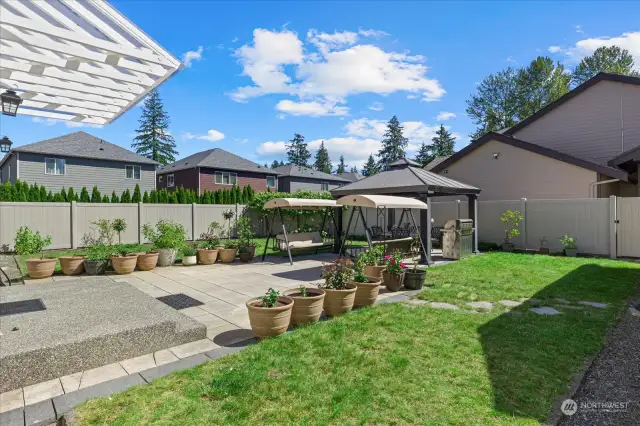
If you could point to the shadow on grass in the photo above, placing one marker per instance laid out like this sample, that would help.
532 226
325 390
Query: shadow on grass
532 359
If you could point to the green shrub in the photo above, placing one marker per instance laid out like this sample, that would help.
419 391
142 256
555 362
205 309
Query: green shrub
165 235
28 242
511 220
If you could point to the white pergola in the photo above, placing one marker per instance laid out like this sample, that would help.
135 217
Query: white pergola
77 60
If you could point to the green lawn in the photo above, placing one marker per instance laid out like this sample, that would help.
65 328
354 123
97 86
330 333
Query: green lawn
396 365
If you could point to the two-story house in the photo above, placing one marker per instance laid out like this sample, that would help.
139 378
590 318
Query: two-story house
293 178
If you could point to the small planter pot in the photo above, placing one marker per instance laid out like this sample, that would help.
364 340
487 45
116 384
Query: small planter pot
95 267
269 322
543 250
374 271
306 309
189 260
338 302
147 261
124 264
207 257
414 280
367 293
72 265
41 268
227 255
252 250
166 257
245 257
571 252
393 282
508 247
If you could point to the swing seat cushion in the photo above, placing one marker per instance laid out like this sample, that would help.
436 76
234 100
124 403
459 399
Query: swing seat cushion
303 240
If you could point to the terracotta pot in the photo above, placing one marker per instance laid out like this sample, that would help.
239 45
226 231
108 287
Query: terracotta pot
306 309
124 264
147 261
95 267
414 280
41 268
337 302
393 282
245 257
207 257
269 322
227 255
374 271
166 257
189 260
367 293
72 265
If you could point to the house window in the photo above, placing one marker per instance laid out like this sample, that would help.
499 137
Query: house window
132 172
324 186
170 181
225 178
54 166
271 181
160 178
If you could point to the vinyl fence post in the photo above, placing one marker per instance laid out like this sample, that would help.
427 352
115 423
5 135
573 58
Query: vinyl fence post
193 221
140 220
458 209
74 225
523 210
613 227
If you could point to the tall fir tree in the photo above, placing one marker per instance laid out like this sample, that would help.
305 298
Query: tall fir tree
137 197
341 166
154 140
441 146
322 161
370 167
275 164
393 144
96 197
114 197
297 152
353 169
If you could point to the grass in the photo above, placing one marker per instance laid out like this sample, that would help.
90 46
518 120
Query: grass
394 365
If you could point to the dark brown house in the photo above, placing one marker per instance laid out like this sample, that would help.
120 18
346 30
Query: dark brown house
216 169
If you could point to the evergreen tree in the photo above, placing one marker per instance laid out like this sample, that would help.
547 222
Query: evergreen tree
370 168
172 199
297 152
275 164
443 143
611 59
5 192
154 140
34 193
153 197
137 197
114 197
323 162
105 198
393 144
281 163
341 166
353 169
50 197
424 155
96 197
84 195
63 194
126 196
145 198
71 195
58 198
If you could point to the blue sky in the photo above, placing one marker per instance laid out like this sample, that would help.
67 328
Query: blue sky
336 71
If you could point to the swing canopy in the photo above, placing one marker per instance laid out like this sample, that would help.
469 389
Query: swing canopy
300 204
381 201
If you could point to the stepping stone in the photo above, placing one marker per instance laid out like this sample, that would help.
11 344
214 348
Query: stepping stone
532 300
510 303
545 310
416 302
441 305
565 301
594 304
481 305
577 308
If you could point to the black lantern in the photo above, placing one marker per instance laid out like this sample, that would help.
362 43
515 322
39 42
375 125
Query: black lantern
5 144
10 102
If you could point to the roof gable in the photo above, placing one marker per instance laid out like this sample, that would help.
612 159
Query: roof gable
217 158
433 163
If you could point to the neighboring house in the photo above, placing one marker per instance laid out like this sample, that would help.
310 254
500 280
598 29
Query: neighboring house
293 178
216 169
351 176
586 144
79 160
433 163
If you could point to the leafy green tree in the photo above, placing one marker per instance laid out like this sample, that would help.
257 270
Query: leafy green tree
137 196
370 167
297 152
610 59
126 196
393 144
539 84
341 166
322 161
96 197
114 198
154 139
105 198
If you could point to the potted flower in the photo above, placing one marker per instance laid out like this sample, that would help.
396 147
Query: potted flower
228 253
189 256
246 235
543 243
511 220
244 253
30 243
72 265
373 263
147 261
96 260
270 314
393 275
167 238
339 287
123 260
569 244
307 304
208 249
367 287
414 277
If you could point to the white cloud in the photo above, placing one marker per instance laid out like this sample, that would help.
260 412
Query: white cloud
313 108
579 29
629 41
211 136
444 116
235 40
326 41
272 148
376 106
372 33
192 55
68 124
511 60
415 131
555 49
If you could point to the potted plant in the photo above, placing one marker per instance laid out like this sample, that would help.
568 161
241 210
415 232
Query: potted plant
228 253
119 225
189 256
393 275
569 244
414 277
246 235
30 243
339 287
72 265
307 304
167 238
543 243
511 220
208 250
270 314
367 287
97 259
373 263
244 253
147 261
228 215
123 260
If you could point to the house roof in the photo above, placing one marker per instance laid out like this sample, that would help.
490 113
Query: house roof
404 162
613 172
631 155
306 172
351 176
572 94
216 158
83 145
433 163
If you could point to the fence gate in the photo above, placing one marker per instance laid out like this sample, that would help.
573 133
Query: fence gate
628 213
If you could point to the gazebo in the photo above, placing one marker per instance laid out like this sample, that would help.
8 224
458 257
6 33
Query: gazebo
405 179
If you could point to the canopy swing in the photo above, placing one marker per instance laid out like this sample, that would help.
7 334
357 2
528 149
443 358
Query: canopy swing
303 240
400 236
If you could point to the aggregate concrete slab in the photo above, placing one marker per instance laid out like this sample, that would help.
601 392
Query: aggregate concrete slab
39 414
88 323
12 418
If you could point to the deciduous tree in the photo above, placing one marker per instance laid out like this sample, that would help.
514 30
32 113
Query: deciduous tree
611 59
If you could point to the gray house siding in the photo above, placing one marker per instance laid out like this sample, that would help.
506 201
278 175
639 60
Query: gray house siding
83 172
9 169
293 184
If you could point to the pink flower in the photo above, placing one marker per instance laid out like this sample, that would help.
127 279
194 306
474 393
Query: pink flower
393 261
403 264
387 257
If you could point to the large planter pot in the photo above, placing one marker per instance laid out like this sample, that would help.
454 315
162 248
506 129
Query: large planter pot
306 309
166 257
245 256
337 302
72 265
367 293
95 267
374 271
124 264
414 280
147 261
269 322
571 252
189 260
207 257
508 247
41 268
227 255
393 282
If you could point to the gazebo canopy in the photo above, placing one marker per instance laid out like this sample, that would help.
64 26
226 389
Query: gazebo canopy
299 204
381 201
